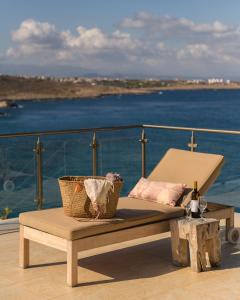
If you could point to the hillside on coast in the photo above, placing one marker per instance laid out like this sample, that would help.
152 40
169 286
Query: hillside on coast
16 88
40 88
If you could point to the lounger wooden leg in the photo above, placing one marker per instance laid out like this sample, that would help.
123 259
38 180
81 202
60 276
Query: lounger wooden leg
229 223
23 249
72 264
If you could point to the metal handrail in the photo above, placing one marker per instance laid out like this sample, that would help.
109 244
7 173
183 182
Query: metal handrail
116 128
68 131
237 132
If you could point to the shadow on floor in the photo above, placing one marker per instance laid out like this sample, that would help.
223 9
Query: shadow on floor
141 261
230 257
146 260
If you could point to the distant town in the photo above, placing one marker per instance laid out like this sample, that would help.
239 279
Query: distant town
124 81
24 87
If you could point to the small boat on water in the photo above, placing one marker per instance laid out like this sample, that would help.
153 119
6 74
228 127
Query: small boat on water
12 104
160 93
3 114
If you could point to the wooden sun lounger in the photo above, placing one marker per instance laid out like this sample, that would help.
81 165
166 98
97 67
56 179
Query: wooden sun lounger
135 218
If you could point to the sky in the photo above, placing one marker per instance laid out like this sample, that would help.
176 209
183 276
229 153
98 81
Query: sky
137 38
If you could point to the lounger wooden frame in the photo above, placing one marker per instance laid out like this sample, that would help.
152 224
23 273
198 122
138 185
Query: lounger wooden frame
73 247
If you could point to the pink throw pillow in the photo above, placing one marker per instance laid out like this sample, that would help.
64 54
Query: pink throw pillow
141 185
158 191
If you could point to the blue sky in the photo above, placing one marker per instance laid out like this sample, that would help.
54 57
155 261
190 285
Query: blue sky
152 38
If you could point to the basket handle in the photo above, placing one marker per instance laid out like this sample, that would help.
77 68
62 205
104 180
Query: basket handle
78 188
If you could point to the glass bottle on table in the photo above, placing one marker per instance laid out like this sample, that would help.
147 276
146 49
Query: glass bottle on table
195 211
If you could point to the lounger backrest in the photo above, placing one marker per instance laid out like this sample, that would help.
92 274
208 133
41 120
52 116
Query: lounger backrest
181 166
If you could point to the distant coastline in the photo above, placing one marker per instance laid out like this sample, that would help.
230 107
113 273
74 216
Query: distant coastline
13 88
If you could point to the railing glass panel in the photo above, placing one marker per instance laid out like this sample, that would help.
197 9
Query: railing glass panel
226 189
64 155
17 175
122 155
159 141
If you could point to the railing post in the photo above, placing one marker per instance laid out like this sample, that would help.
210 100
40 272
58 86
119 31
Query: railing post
192 145
39 179
143 142
94 146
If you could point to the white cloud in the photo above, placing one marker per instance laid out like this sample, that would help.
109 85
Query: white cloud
34 37
94 40
168 25
41 33
140 21
160 45
31 29
195 51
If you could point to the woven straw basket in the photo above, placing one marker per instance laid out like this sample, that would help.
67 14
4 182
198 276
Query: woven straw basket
76 202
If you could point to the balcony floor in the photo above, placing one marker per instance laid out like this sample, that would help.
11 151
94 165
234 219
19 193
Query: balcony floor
140 269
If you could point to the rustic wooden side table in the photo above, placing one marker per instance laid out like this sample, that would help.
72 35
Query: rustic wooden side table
199 238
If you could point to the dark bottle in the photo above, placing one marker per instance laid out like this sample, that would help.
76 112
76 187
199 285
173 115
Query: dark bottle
195 211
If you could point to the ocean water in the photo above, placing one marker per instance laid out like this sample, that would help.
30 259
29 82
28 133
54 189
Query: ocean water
118 151
203 108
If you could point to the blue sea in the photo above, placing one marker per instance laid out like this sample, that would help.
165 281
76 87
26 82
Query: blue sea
118 151
199 108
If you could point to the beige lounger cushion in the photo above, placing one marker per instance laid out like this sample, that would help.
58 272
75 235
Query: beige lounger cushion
181 166
131 212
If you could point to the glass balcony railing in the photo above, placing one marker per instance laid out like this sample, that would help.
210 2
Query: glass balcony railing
31 163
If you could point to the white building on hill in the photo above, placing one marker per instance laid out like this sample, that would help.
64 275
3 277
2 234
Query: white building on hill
215 80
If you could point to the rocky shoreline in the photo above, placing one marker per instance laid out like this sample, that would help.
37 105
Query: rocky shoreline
83 94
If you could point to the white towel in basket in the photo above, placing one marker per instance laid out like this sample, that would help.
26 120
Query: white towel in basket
97 190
